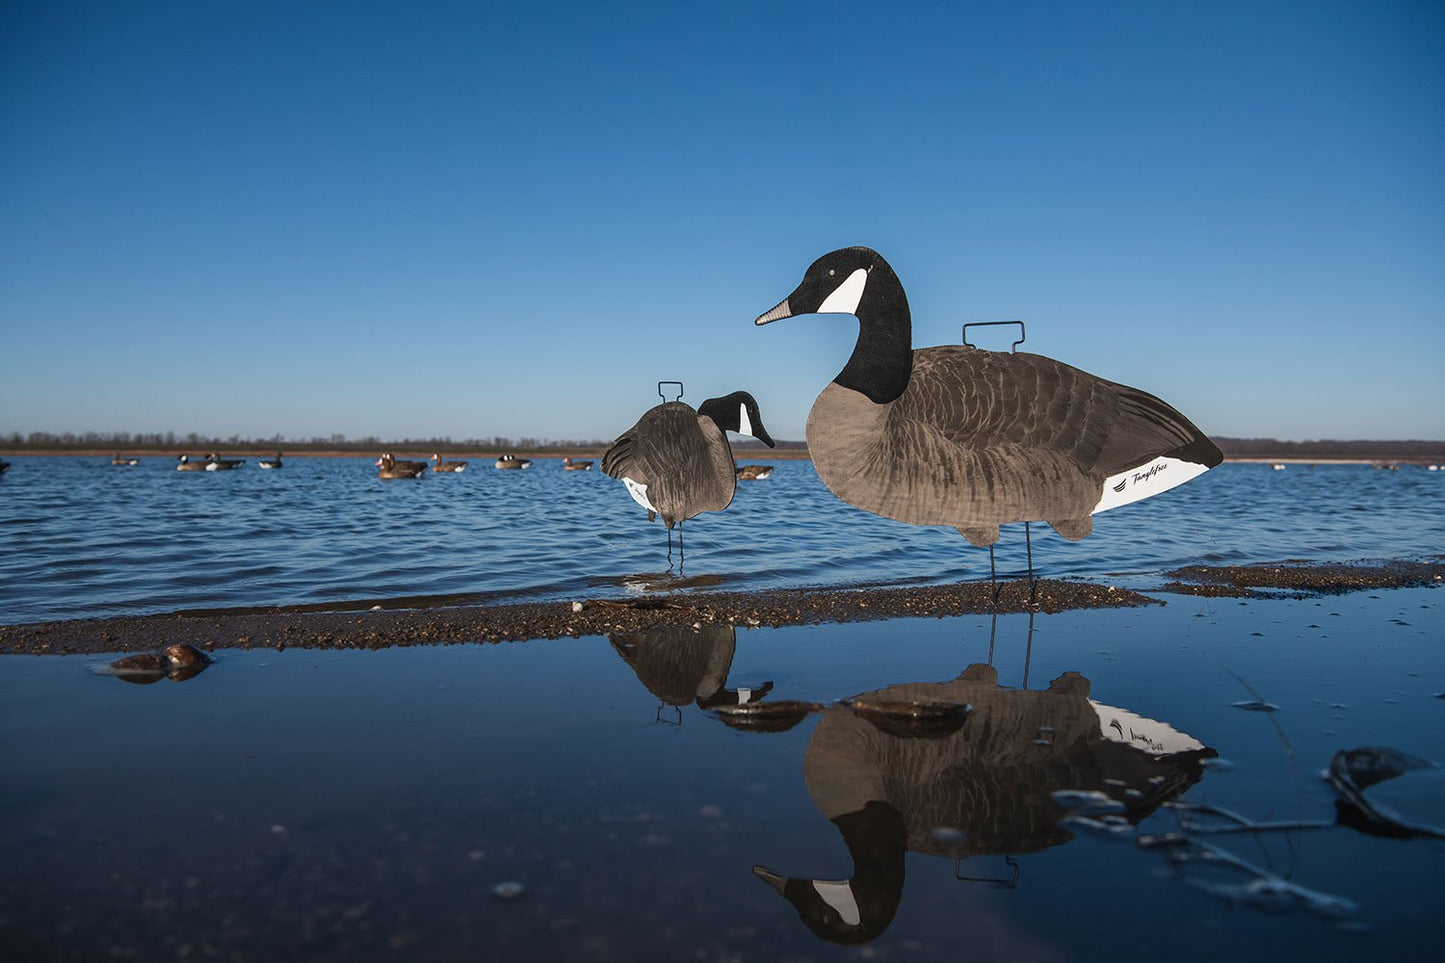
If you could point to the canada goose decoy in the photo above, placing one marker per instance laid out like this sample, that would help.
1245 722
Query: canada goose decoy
754 472
443 466
954 435
677 463
120 462
569 465
270 462
513 463
389 467
184 463
215 462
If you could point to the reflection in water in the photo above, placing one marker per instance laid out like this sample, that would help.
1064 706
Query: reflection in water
984 788
687 666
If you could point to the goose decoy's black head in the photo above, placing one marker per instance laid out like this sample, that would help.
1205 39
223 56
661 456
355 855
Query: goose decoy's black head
737 412
833 284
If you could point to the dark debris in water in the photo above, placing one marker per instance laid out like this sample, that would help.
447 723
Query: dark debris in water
282 628
1302 579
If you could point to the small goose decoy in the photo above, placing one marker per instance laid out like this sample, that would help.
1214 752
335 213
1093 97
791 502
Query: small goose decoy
4 466
120 462
270 462
184 463
215 462
954 435
445 466
754 472
389 467
677 463
513 463
570 465
178 662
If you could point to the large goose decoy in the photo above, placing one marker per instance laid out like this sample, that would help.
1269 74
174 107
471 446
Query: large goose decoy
954 435
184 463
677 463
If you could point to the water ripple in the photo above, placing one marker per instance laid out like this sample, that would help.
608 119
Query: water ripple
85 539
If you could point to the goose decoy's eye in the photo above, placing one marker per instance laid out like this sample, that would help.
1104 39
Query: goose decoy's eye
831 272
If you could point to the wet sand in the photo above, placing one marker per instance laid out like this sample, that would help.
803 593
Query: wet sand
281 628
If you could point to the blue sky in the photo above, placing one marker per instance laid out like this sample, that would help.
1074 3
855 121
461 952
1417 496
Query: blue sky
477 219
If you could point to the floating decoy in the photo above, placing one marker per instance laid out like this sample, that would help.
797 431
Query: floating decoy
270 462
443 466
955 435
389 467
754 472
513 463
677 463
177 662
120 462
570 465
215 462
184 463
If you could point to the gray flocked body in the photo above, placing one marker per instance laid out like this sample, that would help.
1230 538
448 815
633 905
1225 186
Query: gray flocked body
954 435
683 458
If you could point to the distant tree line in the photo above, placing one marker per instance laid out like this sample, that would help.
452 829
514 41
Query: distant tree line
170 440
1274 448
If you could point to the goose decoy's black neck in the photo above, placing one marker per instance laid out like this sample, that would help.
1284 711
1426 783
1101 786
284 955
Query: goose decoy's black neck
858 281
737 412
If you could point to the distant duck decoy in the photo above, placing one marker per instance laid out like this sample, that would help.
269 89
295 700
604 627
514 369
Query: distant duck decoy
270 462
389 467
513 463
184 463
447 466
754 472
677 463
955 435
215 462
569 465
120 462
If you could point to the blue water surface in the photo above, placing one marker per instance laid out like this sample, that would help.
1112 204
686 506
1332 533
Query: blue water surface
85 539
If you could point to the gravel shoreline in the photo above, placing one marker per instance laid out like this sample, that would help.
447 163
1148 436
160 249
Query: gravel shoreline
282 628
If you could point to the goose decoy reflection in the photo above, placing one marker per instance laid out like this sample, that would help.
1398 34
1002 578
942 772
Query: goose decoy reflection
389 467
985 788
954 435
683 666
676 462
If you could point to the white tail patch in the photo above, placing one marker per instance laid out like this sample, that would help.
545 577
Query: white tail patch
845 298
638 491
1159 475
1155 738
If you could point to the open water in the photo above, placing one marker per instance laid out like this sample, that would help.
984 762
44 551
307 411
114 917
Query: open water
84 539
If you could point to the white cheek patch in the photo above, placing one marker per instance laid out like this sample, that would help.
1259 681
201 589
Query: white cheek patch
1155 738
840 897
745 425
638 492
845 298
1159 475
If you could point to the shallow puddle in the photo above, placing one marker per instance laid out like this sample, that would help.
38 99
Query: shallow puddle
603 799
